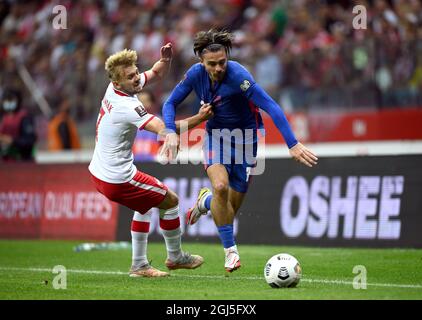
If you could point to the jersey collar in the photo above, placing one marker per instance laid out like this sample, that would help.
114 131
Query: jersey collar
120 93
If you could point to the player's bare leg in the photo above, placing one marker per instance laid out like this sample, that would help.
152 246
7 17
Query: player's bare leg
236 200
221 208
223 214
200 208
170 201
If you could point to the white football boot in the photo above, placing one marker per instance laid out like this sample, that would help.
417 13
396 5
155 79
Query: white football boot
186 261
194 213
232 261
147 271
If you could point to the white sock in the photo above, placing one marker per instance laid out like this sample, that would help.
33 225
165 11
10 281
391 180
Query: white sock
170 227
233 248
139 232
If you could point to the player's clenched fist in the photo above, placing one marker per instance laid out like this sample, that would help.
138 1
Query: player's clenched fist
205 112
166 52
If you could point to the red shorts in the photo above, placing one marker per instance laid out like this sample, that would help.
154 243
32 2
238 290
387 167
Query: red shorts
141 193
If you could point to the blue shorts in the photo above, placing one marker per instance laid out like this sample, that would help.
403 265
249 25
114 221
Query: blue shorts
238 158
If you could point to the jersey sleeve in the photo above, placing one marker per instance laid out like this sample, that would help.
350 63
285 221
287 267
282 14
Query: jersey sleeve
253 92
179 93
144 79
133 112
261 99
242 81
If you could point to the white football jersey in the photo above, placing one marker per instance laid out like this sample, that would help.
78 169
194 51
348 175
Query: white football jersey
119 119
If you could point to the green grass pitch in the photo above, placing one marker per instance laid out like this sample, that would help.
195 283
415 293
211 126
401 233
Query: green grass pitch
26 273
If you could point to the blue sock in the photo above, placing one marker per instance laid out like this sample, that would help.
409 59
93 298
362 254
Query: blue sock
226 235
208 202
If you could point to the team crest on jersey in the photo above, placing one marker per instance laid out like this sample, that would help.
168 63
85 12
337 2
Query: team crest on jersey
141 111
245 85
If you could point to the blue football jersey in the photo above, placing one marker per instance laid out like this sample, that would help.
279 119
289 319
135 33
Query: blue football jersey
236 101
232 109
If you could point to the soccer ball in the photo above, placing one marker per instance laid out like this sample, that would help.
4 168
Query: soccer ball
282 270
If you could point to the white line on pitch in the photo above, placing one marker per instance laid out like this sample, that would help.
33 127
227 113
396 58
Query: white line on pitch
326 281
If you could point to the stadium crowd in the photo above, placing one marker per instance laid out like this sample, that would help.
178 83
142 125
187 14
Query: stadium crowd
305 53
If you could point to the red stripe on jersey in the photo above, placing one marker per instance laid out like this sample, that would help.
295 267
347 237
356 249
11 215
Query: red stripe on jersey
139 226
170 224
143 126
255 111
102 113
120 93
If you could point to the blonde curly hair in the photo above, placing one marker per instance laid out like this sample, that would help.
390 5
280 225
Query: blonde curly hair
119 60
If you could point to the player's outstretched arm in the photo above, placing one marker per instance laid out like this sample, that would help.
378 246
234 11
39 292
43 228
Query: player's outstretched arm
204 113
156 125
179 93
171 140
297 150
162 66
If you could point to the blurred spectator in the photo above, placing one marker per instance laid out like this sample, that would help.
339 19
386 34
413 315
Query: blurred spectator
308 51
17 132
150 103
62 130
268 68
4 10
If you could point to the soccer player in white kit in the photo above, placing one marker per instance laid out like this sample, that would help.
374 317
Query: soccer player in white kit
114 173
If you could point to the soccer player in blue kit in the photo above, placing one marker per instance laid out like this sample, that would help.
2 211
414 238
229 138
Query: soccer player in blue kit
236 99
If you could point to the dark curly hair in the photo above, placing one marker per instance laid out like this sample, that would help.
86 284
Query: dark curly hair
212 40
